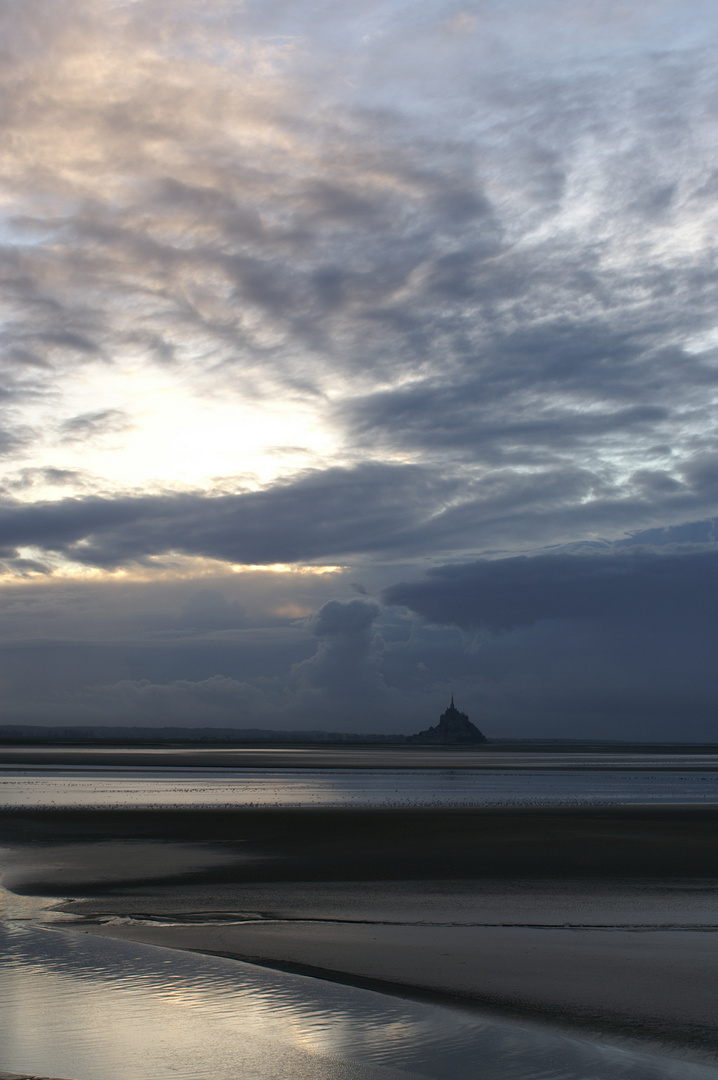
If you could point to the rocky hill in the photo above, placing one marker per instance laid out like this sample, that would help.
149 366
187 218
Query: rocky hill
454 729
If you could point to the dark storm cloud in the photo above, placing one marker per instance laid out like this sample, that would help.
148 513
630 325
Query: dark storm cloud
633 586
368 508
348 619
690 532
346 662
612 643
372 509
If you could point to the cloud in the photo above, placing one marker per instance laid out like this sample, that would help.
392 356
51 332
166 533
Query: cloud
50 476
348 620
340 510
612 644
627 587
432 289
210 610
471 256
91 425
373 510
346 663
216 700
14 440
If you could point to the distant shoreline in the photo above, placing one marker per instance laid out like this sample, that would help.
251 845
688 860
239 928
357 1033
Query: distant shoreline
14 735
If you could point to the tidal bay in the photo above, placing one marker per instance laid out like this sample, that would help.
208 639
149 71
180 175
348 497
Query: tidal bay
370 939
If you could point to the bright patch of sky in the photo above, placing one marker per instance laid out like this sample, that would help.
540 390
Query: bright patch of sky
149 428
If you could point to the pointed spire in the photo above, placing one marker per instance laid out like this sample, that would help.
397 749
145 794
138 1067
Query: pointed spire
452 700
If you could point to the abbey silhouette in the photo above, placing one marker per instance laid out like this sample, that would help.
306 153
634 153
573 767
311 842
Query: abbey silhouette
454 728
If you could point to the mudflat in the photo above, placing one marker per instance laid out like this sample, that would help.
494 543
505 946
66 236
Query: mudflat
367 843
600 918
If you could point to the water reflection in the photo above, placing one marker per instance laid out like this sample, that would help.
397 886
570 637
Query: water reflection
80 1006
221 787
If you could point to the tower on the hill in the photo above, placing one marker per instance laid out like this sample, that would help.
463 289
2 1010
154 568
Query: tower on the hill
454 728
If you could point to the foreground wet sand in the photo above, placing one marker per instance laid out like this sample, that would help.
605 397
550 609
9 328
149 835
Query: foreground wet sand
601 919
634 972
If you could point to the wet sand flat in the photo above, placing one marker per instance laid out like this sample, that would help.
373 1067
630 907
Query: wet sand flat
653 983
604 919
314 756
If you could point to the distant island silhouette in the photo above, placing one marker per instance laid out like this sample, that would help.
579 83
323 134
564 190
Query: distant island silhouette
454 729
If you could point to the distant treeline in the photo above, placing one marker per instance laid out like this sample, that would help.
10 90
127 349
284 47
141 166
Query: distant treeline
28 733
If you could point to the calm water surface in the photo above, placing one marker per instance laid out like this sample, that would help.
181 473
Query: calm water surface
89 1008
148 787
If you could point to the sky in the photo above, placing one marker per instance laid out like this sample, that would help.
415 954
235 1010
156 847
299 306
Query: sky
355 354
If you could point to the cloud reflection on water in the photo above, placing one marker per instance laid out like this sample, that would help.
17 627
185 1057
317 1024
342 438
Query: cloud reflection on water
70 1000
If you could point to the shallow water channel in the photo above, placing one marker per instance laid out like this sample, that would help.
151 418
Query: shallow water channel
88 1008
115 786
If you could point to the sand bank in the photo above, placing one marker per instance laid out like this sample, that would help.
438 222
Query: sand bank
656 985
639 962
